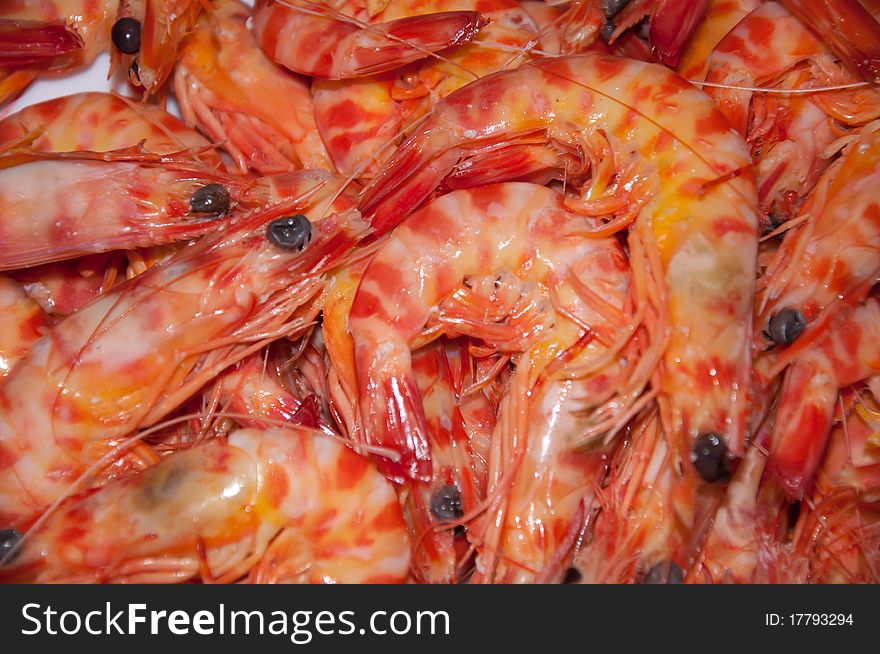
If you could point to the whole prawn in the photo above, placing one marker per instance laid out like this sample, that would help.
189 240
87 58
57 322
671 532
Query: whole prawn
134 354
270 506
504 263
689 189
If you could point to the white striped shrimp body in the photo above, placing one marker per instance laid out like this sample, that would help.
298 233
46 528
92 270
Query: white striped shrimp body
845 355
22 323
288 506
343 40
139 351
506 264
743 544
101 122
61 208
789 134
695 209
835 254
721 17
357 119
86 25
261 113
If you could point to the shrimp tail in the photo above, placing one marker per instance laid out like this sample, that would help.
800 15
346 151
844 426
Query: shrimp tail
165 25
397 421
36 44
806 411
847 27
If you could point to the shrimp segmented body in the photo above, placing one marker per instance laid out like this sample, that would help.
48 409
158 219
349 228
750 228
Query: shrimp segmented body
227 86
834 255
315 39
698 210
136 353
295 505
357 118
845 355
504 264
114 123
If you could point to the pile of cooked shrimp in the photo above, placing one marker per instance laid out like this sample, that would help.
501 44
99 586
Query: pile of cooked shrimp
442 291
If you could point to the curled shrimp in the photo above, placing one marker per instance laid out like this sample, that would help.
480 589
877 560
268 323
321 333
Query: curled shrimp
832 256
317 39
689 189
226 85
284 506
139 351
101 122
358 118
789 134
506 264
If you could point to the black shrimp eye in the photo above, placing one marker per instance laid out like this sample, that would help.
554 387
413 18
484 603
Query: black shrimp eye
126 35
8 539
786 326
291 232
665 572
446 503
572 576
211 198
710 458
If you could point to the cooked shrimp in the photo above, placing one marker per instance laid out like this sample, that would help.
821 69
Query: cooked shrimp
844 355
22 323
506 264
358 118
695 202
50 30
721 17
839 527
74 204
315 38
849 28
262 114
834 256
136 353
640 524
159 26
789 135
101 122
288 506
